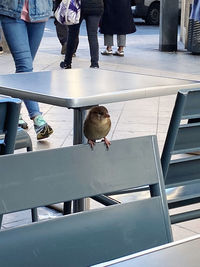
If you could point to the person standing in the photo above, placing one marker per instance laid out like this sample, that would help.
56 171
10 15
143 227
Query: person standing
117 19
91 11
23 23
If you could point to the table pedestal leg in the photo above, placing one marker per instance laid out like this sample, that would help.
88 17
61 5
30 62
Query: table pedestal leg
79 117
78 138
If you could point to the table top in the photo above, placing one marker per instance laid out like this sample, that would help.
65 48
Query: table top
184 253
76 88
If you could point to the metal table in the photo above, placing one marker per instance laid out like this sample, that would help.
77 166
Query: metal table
80 89
184 253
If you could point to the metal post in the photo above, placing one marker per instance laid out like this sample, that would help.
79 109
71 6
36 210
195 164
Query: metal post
79 138
169 12
79 117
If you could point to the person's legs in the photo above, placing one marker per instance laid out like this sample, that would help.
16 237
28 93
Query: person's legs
72 44
16 35
92 23
108 42
23 40
34 33
17 39
121 43
62 34
23 51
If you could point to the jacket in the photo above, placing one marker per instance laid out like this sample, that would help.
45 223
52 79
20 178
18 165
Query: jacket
117 18
38 9
92 7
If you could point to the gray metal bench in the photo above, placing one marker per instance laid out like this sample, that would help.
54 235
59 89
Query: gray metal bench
11 136
9 116
88 237
182 175
23 140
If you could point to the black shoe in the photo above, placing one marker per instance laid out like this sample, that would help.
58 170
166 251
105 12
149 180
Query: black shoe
94 66
64 65
1 49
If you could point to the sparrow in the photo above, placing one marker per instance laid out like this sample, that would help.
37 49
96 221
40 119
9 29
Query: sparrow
97 125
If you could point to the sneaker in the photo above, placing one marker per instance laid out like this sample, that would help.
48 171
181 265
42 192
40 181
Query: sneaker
107 52
64 65
119 53
22 123
42 129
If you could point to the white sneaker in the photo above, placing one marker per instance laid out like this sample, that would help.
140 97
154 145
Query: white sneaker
119 53
107 52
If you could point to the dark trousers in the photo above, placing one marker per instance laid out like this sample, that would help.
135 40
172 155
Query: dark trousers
62 32
92 23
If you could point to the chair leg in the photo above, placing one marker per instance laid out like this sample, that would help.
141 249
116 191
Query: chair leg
34 215
1 219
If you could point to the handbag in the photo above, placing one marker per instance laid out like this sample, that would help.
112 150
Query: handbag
68 12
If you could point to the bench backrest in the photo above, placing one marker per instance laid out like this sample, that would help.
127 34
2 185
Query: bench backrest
182 138
9 116
180 169
88 237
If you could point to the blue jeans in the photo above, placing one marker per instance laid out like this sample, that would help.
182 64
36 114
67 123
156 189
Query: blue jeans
23 39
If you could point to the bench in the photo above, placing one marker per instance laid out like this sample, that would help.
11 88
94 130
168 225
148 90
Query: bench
23 140
181 171
9 116
88 237
11 136
181 174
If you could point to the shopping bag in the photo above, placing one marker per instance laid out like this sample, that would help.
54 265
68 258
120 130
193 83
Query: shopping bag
68 12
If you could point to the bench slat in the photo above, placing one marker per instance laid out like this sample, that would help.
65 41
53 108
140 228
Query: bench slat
63 174
86 238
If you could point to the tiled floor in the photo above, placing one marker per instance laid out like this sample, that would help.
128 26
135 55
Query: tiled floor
129 119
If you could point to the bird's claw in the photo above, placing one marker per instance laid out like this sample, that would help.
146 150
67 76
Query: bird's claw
107 142
91 143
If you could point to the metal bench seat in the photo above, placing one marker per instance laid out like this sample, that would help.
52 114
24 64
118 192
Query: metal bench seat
23 140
